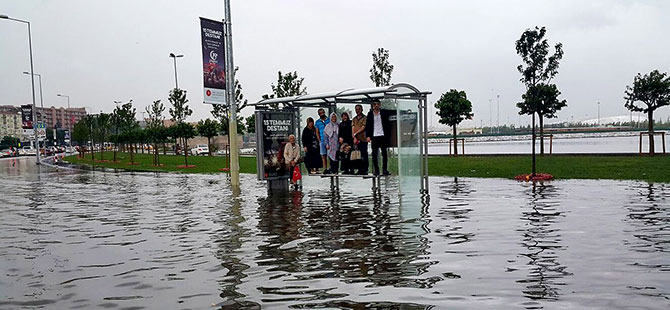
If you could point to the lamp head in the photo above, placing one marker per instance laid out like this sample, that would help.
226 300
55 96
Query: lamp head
4 16
172 55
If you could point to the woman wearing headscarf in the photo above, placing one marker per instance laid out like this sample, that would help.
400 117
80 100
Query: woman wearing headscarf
331 134
346 140
310 143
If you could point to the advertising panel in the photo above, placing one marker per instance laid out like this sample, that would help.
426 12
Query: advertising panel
27 116
272 130
213 63
409 121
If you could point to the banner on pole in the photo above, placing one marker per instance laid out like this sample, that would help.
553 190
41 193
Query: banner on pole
27 116
213 61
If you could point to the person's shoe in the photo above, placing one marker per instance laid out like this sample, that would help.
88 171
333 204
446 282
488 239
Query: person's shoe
386 173
376 173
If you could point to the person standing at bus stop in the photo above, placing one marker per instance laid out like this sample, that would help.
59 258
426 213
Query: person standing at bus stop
360 140
321 125
378 133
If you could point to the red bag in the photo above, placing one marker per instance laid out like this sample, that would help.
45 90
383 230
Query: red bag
296 174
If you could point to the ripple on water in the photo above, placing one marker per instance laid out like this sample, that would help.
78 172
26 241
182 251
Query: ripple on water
141 240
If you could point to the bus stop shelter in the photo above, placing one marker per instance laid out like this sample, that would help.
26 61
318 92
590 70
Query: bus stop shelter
409 139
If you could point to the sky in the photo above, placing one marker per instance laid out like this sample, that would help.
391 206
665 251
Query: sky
98 52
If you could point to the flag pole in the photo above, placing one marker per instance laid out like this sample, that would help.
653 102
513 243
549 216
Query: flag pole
230 97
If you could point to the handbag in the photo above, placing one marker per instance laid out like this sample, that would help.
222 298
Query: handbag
297 175
355 154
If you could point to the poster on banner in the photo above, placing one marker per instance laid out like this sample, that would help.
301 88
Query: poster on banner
275 127
27 116
213 61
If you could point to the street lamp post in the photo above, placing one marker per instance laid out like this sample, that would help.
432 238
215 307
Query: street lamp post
598 113
69 121
174 57
32 80
41 100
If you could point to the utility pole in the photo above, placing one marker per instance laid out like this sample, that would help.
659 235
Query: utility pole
498 117
230 97
599 113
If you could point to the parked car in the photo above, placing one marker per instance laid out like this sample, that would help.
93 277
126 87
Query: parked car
6 153
200 149
28 151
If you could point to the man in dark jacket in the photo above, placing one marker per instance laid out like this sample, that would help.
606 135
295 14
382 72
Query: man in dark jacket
378 133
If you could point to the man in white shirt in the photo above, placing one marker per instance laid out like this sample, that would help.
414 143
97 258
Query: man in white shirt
378 132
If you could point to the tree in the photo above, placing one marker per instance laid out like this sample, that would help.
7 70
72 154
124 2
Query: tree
288 85
208 128
538 67
220 111
87 123
380 74
183 131
155 127
251 123
454 107
80 134
179 112
101 130
8 141
652 89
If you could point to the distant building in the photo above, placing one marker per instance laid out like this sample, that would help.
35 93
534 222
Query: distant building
62 118
10 122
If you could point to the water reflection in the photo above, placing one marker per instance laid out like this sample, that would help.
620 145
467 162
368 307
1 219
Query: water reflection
343 237
542 243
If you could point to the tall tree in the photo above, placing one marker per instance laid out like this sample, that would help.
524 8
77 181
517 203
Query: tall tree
288 85
127 122
179 112
208 128
538 67
453 108
381 70
155 130
653 90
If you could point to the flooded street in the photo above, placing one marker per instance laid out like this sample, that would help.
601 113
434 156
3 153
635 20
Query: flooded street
83 240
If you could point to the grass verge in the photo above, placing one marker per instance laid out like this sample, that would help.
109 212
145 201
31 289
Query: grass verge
647 168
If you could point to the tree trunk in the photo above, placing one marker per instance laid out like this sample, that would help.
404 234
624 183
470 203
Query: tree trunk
185 152
540 119
532 173
132 158
651 131
92 150
455 142
209 149
164 150
158 161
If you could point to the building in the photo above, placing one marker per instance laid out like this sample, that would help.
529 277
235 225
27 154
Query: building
10 122
62 118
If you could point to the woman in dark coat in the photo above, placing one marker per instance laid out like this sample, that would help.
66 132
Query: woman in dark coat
310 143
346 137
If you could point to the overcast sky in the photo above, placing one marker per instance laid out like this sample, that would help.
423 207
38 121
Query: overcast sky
101 51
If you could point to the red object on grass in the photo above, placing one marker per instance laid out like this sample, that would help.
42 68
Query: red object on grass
537 177
185 166
224 169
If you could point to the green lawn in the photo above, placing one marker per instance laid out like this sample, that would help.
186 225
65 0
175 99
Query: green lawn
203 164
648 168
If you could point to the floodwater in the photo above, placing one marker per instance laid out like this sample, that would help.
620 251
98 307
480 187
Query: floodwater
83 240
626 142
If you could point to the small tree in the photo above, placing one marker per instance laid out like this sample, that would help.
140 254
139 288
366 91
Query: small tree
87 123
80 134
179 112
380 74
454 107
155 127
101 131
251 123
208 128
652 89
288 85
536 68
183 131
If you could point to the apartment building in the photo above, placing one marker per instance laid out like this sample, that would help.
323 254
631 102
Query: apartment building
10 121
63 118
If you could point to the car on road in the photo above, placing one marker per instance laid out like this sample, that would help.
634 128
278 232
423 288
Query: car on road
28 151
200 149
6 153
